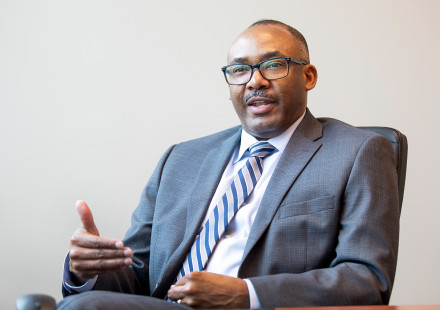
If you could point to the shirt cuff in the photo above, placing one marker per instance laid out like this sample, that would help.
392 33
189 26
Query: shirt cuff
68 283
254 302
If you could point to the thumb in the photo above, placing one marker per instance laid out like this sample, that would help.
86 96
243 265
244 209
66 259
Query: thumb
86 217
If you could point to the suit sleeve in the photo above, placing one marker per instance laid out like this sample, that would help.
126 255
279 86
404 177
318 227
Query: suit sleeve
135 279
363 267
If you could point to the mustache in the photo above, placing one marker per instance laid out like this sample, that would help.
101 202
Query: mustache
258 93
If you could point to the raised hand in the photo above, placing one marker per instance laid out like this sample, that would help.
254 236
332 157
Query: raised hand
91 254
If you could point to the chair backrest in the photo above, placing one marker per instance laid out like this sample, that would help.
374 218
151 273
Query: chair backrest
400 146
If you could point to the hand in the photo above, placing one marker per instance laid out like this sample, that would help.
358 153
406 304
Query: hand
209 290
91 254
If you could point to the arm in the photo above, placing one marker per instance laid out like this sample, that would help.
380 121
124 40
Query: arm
363 266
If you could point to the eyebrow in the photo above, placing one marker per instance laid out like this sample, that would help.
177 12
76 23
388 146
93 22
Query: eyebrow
271 54
240 60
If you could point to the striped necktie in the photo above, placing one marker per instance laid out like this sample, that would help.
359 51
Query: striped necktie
240 189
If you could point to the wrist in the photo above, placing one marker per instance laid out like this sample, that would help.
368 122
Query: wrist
243 300
77 280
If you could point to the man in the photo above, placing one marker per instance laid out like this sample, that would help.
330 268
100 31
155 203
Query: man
318 227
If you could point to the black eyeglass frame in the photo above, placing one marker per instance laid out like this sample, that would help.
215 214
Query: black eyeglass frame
257 66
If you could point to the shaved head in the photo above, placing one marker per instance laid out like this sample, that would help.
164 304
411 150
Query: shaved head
295 33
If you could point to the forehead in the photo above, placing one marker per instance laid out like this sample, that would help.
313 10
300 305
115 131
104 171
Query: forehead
261 42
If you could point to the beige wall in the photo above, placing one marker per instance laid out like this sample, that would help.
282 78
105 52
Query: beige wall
92 93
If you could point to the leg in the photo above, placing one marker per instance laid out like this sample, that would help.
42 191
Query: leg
97 300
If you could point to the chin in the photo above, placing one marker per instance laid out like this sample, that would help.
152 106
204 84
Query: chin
264 132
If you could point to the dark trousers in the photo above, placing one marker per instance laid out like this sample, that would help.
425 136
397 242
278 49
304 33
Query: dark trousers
97 300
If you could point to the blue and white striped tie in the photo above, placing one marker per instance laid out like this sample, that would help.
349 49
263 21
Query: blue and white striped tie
241 187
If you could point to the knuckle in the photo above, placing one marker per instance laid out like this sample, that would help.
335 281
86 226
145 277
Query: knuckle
73 254
100 253
95 242
190 302
101 264
74 239
73 266
188 289
77 236
195 275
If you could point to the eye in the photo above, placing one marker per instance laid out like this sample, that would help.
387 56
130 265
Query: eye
239 69
274 64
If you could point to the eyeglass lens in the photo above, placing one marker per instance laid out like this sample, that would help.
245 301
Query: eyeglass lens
271 69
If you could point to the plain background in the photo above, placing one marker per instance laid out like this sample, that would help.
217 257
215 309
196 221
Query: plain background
93 92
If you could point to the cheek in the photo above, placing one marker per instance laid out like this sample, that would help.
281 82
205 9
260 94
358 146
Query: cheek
238 107
235 93
236 96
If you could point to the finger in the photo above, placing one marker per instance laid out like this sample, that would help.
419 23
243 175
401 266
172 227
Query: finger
90 268
177 291
101 253
86 217
86 240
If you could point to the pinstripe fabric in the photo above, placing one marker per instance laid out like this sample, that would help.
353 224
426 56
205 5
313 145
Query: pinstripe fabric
240 188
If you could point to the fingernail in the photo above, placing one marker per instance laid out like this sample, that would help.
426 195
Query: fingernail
127 252
119 245
128 261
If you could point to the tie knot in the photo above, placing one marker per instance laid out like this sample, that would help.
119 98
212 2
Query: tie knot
262 149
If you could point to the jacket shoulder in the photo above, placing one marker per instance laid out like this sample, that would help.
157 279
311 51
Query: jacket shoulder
341 130
212 140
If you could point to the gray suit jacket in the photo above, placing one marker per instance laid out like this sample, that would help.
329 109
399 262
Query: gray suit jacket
326 232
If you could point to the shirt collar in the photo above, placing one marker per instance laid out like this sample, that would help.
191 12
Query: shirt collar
280 141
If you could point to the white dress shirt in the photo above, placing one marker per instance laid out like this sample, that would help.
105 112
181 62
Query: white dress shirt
228 252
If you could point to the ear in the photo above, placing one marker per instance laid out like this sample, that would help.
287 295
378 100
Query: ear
310 76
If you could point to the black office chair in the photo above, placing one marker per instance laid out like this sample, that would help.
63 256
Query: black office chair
35 302
400 146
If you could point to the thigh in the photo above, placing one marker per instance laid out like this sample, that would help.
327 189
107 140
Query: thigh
97 300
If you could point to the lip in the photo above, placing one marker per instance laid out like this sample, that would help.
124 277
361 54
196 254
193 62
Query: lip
260 105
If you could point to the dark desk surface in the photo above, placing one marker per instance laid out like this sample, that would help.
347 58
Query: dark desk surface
406 307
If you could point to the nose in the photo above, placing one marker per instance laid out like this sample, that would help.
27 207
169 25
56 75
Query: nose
257 81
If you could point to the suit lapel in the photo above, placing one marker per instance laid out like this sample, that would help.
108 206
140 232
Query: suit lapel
199 199
298 153
206 184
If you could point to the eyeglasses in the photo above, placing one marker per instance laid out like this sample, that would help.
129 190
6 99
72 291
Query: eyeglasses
271 69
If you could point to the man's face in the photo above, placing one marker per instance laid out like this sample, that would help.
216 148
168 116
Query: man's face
267 108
